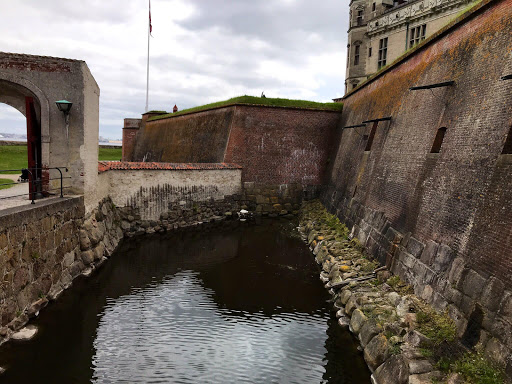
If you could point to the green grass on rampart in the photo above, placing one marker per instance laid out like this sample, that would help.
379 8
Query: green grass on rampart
253 100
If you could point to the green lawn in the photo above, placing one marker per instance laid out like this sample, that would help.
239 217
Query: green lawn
110 154
5 181
13 157
253 100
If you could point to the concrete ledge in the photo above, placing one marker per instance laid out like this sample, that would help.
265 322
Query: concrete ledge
26 213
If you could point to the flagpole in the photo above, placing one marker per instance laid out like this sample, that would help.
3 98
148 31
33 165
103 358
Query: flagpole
147 78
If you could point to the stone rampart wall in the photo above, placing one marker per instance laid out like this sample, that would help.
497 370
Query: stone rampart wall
440 220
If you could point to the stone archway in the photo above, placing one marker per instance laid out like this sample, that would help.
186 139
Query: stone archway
15 92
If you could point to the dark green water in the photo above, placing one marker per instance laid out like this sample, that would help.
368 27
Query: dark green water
229 305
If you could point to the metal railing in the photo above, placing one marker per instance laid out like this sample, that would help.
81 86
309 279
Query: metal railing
39 182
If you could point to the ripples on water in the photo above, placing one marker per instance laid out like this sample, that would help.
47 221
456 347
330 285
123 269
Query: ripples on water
229 306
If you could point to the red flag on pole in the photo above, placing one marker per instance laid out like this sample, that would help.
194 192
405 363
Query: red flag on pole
150 26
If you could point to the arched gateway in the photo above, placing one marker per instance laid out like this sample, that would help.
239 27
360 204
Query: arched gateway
32 84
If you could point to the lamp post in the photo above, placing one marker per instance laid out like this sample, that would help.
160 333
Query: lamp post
65 106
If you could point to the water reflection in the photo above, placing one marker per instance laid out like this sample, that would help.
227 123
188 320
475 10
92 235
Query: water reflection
228 306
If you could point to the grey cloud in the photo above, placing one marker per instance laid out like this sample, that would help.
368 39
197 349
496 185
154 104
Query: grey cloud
223 49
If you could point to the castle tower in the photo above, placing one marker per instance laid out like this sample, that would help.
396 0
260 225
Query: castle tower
357 42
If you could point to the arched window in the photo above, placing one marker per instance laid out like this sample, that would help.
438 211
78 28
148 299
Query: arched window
507 149
438 141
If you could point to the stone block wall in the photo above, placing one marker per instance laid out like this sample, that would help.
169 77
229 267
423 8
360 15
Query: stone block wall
274 200
39 256
183 214
439 276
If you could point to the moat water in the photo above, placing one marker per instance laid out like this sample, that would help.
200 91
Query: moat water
228 305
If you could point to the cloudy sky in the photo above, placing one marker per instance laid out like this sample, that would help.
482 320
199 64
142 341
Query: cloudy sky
201 51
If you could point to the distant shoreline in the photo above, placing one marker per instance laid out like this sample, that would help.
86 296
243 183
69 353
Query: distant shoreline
18 142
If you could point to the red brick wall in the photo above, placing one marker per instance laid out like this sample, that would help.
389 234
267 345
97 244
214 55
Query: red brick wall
281 145
462 196
130 130
129 137
273 145
194 138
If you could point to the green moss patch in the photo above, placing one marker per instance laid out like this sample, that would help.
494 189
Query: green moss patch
253 100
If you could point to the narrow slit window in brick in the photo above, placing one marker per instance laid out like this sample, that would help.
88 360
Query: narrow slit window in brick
438 141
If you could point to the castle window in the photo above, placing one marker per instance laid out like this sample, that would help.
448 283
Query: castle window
507 149
370 52
417 35
383 52
438 141
350 19
360 17
356 55
373 7
348 55
371 137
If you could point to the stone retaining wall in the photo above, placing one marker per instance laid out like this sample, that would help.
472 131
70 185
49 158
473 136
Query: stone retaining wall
273 200
381 311
481 307
44 247
39 256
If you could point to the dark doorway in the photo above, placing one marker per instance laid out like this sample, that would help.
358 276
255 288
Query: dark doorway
33 149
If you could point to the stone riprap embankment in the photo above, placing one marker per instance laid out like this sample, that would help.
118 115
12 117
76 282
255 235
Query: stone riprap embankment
403 339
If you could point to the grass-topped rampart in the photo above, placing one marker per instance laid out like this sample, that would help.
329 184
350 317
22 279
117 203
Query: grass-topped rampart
253 100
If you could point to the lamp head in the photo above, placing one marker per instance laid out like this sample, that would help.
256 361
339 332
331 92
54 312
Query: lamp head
64 106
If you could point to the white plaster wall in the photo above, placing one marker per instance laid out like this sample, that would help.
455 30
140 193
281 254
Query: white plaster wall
89 148
151 191
102 189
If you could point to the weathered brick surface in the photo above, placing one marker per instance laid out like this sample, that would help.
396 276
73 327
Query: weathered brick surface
460 197
281 145
273 145
452 208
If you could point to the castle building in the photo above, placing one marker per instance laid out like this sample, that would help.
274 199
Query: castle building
380 31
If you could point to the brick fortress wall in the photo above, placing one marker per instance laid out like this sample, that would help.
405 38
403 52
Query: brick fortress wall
274 146
442 221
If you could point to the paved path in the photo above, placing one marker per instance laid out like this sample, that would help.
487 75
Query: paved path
19 189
